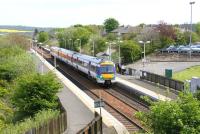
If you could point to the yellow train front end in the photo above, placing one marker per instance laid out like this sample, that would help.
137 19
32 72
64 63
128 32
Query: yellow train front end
106 73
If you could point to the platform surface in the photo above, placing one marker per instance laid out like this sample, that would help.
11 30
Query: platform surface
151 90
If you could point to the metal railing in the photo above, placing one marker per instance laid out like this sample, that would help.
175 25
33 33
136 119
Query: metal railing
162 80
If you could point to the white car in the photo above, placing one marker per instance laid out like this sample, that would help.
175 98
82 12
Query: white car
195 48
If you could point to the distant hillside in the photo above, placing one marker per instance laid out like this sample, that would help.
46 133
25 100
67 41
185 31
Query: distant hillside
24 28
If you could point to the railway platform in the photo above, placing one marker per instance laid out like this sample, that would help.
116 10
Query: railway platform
146 88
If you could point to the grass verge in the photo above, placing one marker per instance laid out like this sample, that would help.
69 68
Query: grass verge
187 74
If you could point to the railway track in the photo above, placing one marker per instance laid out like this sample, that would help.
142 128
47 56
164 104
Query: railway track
120 105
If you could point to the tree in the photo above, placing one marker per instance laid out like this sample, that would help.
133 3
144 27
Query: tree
130 51
180 38
195 37
35 33
99 44
110 24
43 36
68 37
35 92
149 34
167 33
94 29
181 116
197 27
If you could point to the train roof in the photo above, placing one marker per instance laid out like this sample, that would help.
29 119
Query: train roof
83 57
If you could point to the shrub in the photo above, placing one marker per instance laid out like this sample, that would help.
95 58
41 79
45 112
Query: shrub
39 119
35 92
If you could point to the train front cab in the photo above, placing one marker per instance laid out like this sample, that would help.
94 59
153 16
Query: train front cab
106 73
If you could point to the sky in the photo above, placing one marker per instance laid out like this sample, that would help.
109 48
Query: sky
64 13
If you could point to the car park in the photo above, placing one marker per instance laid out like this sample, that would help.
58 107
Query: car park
181 49
167 49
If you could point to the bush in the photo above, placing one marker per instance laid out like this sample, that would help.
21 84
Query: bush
14 66
174 117
39 119
35 92
130 51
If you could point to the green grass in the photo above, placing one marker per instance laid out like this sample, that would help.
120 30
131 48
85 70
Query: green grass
187 74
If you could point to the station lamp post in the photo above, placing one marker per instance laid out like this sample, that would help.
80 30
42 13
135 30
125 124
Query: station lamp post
144 43
120 51
119 43
92 46
71 43
191 3
80 44
65 43
42 66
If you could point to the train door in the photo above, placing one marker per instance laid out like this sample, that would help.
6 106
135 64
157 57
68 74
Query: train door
71 59
77 60
89 68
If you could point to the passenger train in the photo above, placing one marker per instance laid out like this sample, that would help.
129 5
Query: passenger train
103 71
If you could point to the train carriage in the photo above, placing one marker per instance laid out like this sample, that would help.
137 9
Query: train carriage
103 71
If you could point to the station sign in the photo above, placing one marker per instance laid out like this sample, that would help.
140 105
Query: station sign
99 103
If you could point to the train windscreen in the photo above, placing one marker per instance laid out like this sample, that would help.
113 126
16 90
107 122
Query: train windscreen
107 69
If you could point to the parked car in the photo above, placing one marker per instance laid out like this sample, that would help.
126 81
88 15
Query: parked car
178 49
164 50
167 49
184 49
172 49
195 48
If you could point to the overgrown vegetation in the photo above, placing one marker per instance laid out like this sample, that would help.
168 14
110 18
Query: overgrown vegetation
180 116
39 119
35 92
161 35
23 91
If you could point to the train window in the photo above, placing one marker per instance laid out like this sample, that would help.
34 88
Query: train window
85 64
79 62
107 69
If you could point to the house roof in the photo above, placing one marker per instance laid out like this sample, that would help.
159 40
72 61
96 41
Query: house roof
127 29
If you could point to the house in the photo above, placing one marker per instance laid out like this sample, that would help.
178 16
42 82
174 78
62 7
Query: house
127 29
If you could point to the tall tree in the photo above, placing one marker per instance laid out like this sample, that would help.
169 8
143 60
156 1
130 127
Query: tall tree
98 43
130 51
110 24
167 33
35 33
43 36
